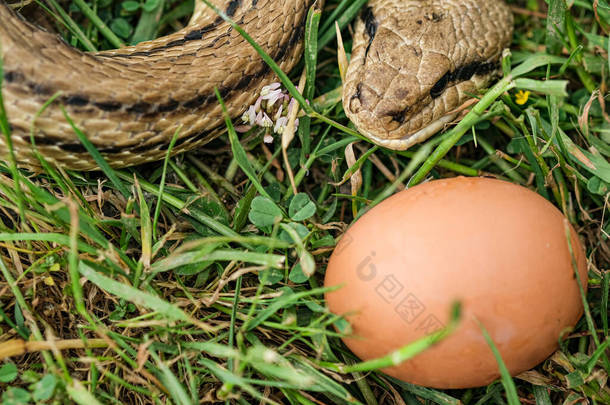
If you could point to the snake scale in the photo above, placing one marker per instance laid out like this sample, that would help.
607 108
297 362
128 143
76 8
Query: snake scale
413 63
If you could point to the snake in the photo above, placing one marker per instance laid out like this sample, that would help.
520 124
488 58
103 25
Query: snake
413 63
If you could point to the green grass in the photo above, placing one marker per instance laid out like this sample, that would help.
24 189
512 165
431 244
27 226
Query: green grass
201 278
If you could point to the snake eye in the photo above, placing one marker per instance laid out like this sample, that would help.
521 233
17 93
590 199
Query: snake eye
440 86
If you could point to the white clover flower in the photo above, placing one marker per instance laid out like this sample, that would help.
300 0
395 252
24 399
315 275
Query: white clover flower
257 105
280 125
269 88
259 119
291 105
272 97
278 104
278 114
251 115
266 121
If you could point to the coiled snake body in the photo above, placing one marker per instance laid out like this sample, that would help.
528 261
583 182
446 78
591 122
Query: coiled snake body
413 62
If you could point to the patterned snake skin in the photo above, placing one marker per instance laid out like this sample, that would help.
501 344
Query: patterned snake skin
413 62
416 61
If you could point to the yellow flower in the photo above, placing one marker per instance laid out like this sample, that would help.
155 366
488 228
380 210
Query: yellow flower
521 97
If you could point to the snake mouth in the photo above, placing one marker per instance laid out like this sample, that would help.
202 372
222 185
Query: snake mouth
419 136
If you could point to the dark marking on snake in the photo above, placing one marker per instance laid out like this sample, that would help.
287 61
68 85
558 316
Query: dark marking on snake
358 92
194 35
462 73
171 105
465 72
218 38
434 16
232 7
370 26
171 44
440 85
39 89
109 106
147 109
140 108
77 100
36 88
11 77
195 102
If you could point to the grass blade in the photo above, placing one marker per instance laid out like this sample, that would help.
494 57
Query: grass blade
507 380
97 156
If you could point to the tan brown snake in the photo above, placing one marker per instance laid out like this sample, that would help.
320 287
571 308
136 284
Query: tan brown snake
413 62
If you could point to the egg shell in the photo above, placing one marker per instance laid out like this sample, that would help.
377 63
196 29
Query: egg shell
498 248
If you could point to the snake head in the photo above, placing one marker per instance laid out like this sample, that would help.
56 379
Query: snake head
414 62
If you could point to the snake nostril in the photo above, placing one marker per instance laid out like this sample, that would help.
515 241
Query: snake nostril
399 116
354 101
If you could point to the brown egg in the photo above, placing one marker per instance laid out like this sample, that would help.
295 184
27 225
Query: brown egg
499 248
